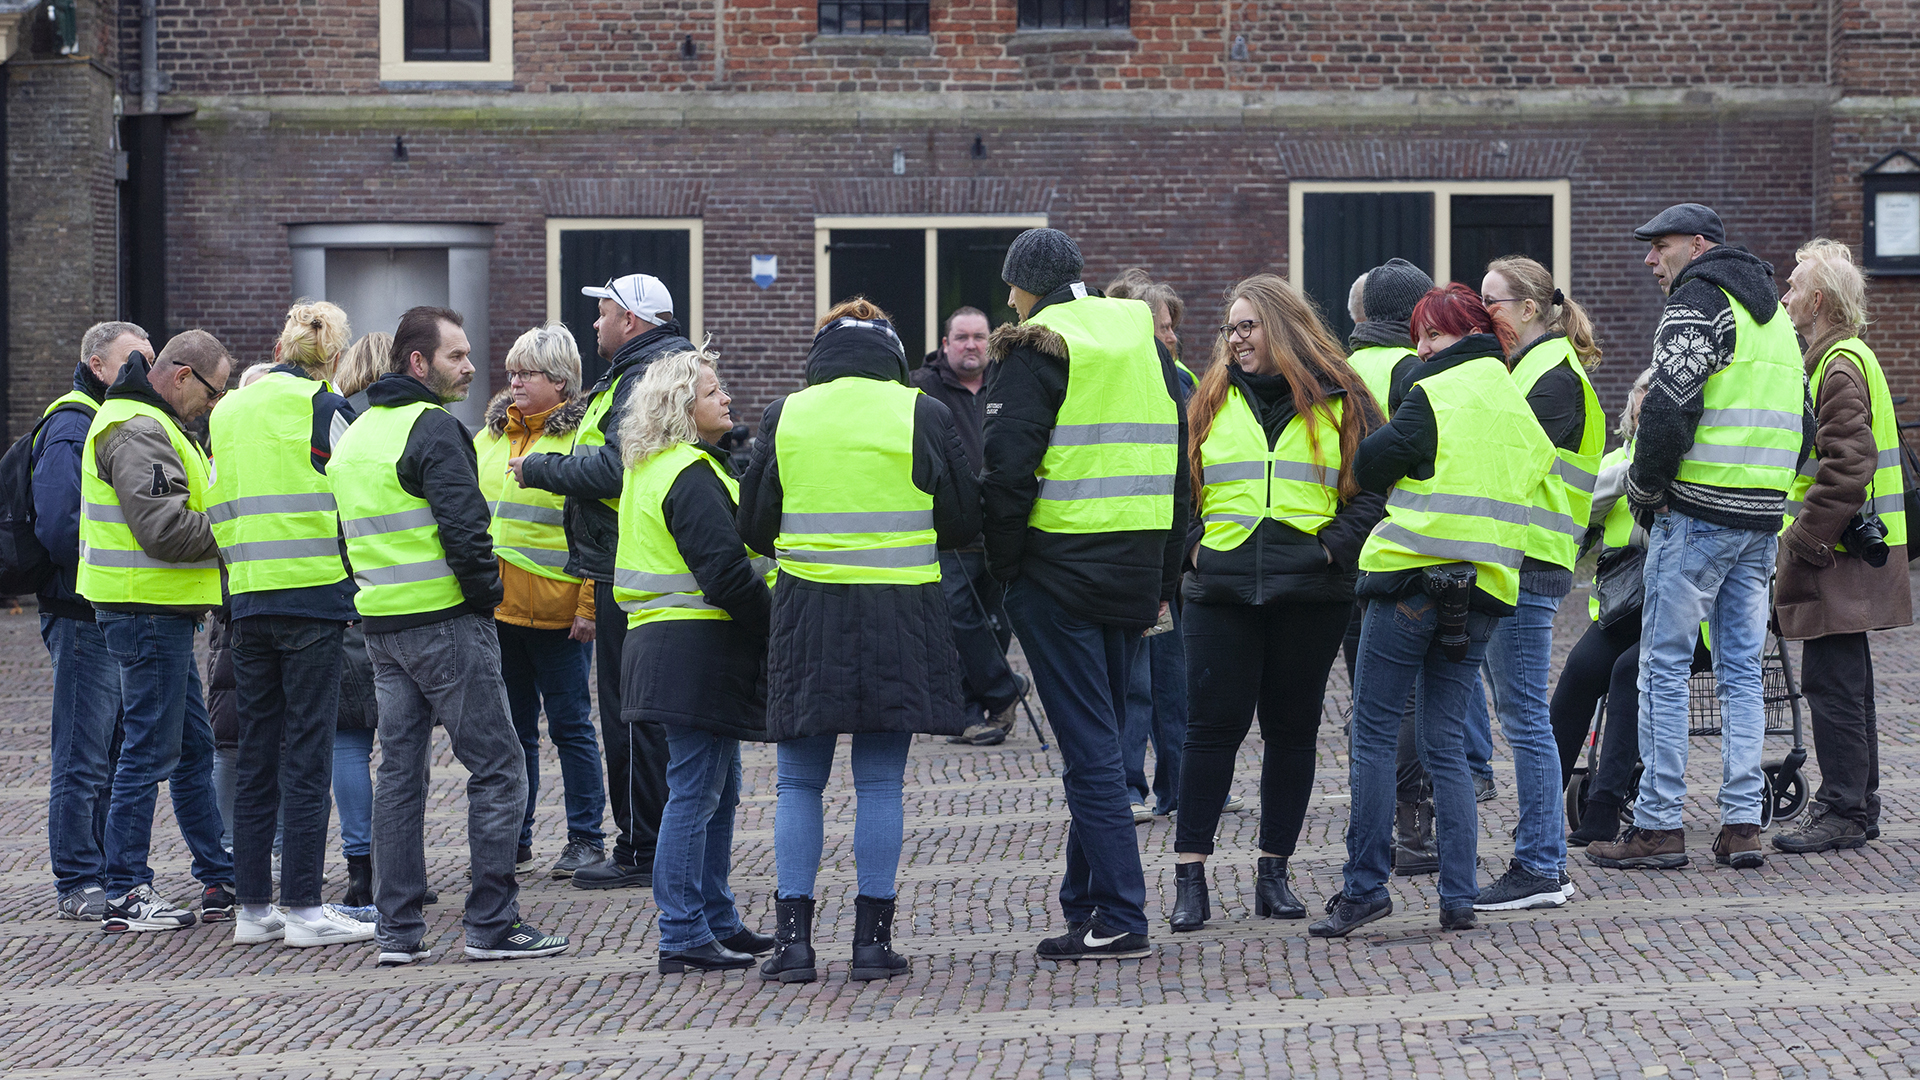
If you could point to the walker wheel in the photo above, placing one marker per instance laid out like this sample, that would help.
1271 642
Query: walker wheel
1786 793
1576 797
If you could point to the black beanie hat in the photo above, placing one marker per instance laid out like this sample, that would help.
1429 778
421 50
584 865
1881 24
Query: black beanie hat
1392 290
1042 260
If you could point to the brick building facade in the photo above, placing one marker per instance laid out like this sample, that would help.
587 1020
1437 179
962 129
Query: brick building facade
312 147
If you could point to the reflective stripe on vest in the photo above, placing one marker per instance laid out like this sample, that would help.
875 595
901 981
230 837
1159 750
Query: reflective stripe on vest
113 568
1886 493
1750 432
1110 459
851 513
528 524
1564 501
272 511
393 538
1617 530
1243 480
1375 364
1491 455
651 580
588 438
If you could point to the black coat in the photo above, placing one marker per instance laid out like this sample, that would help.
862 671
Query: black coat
1108 577
223 711
864 658
358 711
708 674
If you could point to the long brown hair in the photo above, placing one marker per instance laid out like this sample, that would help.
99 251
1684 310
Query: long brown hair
1531 281
1299 348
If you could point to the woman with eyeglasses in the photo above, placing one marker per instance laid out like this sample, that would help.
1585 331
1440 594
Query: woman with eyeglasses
1277 534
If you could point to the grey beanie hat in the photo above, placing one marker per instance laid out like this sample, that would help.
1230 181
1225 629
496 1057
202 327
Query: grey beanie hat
1042 260
1392 290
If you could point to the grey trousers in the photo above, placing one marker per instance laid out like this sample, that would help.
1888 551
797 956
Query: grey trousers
447 672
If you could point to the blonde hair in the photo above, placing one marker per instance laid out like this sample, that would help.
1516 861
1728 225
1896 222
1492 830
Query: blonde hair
254 374
660 413
1531 281
364 362
1630 416
315 335
551 351
1833 274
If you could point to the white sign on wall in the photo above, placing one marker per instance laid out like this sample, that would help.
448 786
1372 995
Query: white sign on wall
765 268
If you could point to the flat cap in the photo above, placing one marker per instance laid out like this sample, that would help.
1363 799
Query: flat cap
1687 219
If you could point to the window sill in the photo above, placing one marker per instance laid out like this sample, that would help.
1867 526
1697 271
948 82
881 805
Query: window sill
424 86
1027 42
871 45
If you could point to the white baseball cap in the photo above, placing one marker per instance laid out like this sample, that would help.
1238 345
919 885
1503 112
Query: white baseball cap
642 294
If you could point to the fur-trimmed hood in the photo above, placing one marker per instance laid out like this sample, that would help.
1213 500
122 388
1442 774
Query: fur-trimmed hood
1011 336
562 421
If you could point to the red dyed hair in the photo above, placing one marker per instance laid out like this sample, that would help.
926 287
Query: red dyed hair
1455 310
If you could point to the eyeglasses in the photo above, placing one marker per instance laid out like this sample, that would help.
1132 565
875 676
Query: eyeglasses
213 395
1243 328
1487 301
523 374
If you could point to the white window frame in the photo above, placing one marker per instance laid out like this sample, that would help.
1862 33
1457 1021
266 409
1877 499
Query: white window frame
1443 190
695 314
823 259
395 67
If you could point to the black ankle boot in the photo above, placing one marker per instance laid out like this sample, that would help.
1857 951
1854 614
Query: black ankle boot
359 881
1272 897
873 955
1599 824
1190 908
1413 850
792 959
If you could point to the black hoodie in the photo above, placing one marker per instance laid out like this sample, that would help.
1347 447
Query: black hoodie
56 497
438 465
593 528
1696 339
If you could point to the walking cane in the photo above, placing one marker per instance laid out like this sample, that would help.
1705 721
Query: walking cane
1024 707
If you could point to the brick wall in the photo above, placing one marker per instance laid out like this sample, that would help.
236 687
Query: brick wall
61 223
331 46
1200 208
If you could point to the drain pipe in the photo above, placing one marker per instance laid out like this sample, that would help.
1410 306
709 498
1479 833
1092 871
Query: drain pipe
149 56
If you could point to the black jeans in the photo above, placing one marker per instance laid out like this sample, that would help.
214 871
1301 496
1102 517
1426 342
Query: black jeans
636 753
1273 658
1837 677
286 673
980 631
1604 661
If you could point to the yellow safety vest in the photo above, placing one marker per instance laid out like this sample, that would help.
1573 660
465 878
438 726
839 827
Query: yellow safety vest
1616 531
1244 481
113 567
529 524
651 579
1886 495
1564 500
1115 443
1750 432
588 439
1375 364
1491 455
392 535
272 511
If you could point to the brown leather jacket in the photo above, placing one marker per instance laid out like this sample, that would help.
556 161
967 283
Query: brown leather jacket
1818 591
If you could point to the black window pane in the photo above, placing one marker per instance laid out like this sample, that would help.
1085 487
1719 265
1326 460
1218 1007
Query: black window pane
888 267
1486 227
1073 14
446 30
970 264
873 17
1347 233
591 256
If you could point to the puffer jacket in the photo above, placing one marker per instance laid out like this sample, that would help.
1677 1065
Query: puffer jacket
869 657
528 599
1819 591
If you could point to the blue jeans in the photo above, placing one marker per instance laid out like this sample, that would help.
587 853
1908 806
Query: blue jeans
799 831
286 672
1518 657
168 737
1700 571
86 718
695 853
547 666
1399 655
1082 669
353 789
1157 713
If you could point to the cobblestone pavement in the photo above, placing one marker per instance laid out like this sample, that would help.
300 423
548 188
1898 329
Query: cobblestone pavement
1804 968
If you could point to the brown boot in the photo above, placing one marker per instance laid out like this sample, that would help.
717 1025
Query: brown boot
1643 849
1738 846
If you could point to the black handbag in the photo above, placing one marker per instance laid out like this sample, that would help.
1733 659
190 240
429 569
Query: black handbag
1620 584
1908 474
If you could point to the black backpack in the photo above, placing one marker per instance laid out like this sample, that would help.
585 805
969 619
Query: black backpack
25 566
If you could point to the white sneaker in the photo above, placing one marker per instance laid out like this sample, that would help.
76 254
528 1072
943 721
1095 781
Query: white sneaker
248 930
143 909
1234 804
1141 813
402 957
331 928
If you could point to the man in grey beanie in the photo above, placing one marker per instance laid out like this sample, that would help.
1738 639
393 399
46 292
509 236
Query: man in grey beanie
1086 501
